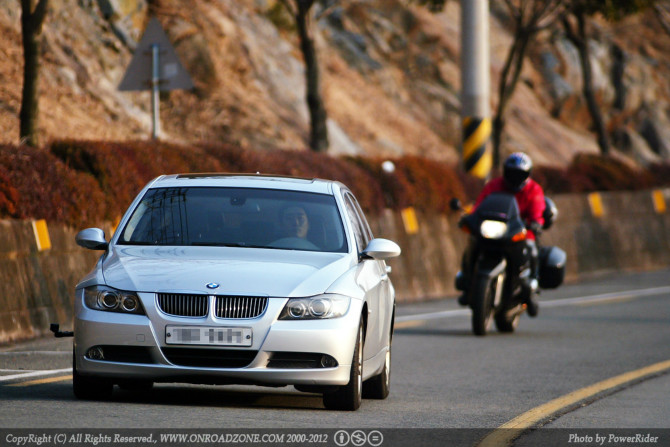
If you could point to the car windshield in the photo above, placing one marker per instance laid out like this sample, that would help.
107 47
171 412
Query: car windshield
237 217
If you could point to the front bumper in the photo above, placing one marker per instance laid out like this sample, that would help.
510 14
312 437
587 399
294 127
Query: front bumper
281 353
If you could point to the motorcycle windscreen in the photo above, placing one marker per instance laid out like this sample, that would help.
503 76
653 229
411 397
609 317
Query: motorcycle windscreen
499 206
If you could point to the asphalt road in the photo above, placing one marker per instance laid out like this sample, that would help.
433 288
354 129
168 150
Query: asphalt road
579 365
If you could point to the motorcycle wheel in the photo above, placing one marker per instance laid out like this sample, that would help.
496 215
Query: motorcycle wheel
482 304
505 324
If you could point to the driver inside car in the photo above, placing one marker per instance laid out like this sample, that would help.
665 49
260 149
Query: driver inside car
293 229
294 222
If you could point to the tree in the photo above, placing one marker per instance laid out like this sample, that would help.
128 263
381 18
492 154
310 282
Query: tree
529 17
301 11
32 20
575 25
662 9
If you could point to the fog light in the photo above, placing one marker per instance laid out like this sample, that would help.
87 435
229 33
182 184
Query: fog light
95 353
328 361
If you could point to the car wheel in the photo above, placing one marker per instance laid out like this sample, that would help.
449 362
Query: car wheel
135 385
379 386
348 397
90 388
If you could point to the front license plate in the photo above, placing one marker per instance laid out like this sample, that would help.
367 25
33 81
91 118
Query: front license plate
217 336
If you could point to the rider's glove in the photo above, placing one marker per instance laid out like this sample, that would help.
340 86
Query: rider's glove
461 221
535 227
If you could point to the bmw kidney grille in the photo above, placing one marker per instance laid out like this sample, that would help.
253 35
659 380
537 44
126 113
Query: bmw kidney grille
230 307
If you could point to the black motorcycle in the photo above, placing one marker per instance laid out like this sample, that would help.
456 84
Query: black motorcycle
496 272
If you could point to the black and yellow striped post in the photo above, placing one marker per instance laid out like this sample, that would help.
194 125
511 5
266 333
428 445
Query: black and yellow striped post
476 155
476 80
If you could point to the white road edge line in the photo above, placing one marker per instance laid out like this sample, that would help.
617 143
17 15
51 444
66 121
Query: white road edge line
8 353
552 303
43 373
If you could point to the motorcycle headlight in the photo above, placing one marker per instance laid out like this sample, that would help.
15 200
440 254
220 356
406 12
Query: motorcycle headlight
315 308
493 229
111 300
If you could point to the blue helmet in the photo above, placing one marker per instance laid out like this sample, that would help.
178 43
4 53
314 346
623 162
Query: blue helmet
516 171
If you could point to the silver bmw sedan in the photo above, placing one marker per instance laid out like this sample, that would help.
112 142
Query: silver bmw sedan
238 279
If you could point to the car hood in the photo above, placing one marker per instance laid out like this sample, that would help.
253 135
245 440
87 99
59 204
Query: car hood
238 271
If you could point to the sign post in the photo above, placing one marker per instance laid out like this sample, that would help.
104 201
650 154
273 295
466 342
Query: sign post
156 67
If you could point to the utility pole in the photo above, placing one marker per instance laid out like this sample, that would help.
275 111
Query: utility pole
475 85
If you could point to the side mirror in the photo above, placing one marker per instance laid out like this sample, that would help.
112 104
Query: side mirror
455 204
381 249
92 238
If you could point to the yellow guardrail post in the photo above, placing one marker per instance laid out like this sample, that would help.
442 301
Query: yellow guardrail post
410 221
41 232
659 201
596 204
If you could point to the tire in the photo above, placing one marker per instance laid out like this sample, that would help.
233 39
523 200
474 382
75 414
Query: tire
379 386
482 304
136 385
507 325
90 388
349 396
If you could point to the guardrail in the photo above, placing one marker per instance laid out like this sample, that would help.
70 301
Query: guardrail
600 232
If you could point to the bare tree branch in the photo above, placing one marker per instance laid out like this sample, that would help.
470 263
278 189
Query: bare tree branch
663 15
529 17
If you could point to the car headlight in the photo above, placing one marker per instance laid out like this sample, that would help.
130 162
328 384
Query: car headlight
493 229
315 308
112 300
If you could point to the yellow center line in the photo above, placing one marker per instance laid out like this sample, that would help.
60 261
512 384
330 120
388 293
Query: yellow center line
508 432
408 324
42 381
618 299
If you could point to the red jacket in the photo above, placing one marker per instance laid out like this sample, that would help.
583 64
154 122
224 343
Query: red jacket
530 200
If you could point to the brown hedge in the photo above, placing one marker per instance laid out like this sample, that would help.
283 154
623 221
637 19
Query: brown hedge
588 173
425 184
302 164
87 182
47 189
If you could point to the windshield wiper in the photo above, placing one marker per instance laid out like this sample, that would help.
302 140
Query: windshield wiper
225 244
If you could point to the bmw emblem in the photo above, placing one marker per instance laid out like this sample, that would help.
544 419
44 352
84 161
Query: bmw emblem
213 285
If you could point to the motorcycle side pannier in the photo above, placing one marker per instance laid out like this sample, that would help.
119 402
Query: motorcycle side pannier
552 267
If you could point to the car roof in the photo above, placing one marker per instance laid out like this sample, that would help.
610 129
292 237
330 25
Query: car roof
263 181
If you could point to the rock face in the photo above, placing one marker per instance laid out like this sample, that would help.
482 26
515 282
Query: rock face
390 79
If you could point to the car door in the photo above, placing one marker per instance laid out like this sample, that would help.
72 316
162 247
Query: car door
372 278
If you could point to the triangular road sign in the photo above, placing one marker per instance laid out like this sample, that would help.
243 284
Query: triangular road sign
171 72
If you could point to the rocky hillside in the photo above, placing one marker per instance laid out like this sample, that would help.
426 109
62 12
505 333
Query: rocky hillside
390 79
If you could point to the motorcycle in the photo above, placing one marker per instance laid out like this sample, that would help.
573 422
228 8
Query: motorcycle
496 274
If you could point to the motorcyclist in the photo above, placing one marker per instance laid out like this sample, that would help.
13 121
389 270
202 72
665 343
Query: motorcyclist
530 198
